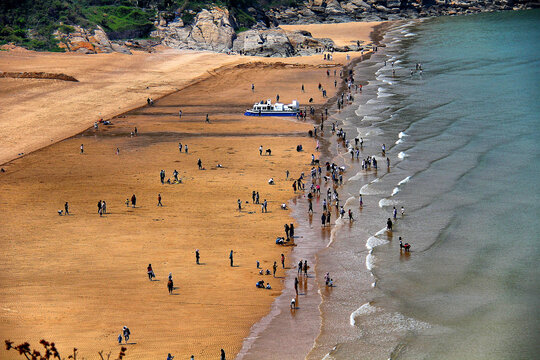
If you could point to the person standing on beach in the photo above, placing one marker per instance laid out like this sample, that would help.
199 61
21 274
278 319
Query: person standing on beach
260 150
323 219
66 208
231 258
296 285
180 114
99 207
199 163
389 225
394 213
274 268
103 207
388 162
197 256
402 211
286 231
159 200
126 333
150 272
286 174
361 201
305 268
223 351
283 261
186 148
291 230
207 119
82 149
252 89
170 285
300 267
180 147
265 206
133 200
257 198
253 196
239 205
303 88
328 218
310 206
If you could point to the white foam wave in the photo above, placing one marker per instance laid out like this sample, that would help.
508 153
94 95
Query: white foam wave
387 202
409 34
365 309
404 181
402 134
372 101
395 191
358 176
374 242
380 232
349 201
398 142
402 155
369 260
367 189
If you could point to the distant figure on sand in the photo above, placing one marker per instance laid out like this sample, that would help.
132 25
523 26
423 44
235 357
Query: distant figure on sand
389 225
133 200
150 272
197 256
223 351
170 285
82 148
231 257
159 200
66 208
126 333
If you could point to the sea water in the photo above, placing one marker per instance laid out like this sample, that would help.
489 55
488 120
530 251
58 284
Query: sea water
462 138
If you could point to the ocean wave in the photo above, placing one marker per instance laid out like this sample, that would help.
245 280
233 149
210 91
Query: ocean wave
387 202
398 142
365 309
402 134
404 181
409 34
367 189
402 155
374 242
395 191
369 260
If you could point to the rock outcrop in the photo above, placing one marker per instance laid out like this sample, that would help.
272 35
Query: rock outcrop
88 42
211 30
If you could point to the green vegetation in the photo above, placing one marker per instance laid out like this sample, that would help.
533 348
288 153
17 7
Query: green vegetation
31 23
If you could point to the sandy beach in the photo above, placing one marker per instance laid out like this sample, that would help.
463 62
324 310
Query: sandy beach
78 279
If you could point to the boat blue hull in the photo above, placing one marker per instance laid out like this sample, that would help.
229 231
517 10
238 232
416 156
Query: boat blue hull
250 113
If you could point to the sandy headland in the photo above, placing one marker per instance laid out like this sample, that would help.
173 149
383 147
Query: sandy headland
78 279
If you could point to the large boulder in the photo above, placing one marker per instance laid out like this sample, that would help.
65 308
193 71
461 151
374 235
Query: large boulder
268 43
87 42
211 30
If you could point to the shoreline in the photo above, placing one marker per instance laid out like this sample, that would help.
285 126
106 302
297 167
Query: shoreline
301 334
62 175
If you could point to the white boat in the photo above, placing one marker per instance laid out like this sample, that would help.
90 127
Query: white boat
278 109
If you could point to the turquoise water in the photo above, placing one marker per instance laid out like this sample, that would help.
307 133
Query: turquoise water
465 135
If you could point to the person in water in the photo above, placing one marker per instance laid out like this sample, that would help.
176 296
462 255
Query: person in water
389 225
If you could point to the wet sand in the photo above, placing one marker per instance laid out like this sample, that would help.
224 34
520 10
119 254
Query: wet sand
78 279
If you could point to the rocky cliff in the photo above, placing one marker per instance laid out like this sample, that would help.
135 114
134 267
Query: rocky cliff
215 28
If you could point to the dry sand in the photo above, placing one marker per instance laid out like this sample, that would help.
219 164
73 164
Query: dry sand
78 279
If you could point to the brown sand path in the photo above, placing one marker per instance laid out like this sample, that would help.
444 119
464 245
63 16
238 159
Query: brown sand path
36 113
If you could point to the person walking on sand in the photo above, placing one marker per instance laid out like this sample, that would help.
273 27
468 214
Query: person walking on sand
283 261
389 225
305 268
207 119
82 149
159 200
186 148
360 201
103 207
300 267
180 147
231 258
133 200
126 333
197 257
223 351
252 89
265 206
66 208
170 357
170 285
99 207
260 150
296 285
199 163
239 205
150 272
394 213
323 219
274 268
180 114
